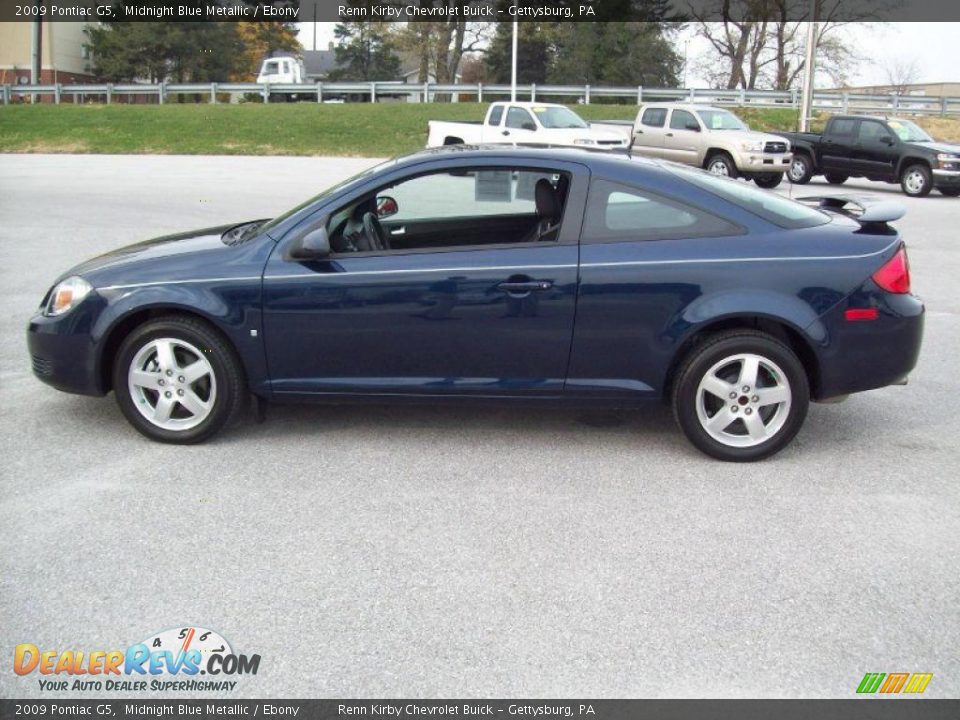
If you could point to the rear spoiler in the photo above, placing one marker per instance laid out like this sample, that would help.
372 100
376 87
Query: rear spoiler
864 209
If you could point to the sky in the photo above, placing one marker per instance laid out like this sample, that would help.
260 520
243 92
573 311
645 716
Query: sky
935 47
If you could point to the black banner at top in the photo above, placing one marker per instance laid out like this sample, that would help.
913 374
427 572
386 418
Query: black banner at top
477 10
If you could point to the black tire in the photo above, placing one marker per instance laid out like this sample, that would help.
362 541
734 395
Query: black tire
722 160
226 377
703 358
801 169
768 181
950 192
916 180
452 141
836 179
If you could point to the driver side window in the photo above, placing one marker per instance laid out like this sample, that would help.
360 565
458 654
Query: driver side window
454 209
520 119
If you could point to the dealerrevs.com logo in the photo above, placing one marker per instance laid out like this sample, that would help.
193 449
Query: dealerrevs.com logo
179 659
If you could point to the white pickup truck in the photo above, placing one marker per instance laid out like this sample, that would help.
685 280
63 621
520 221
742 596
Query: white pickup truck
525 123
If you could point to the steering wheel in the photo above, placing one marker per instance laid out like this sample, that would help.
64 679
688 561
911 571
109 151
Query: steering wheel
374 231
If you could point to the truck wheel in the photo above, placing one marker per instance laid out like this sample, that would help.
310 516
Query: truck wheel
452 141
801 170
768 181
722 164
915 180
950 192
836 179
742 395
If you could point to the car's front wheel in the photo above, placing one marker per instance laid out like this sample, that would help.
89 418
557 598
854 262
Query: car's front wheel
742 395
834 179
177 380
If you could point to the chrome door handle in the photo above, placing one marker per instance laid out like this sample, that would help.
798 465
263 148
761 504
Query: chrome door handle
399 231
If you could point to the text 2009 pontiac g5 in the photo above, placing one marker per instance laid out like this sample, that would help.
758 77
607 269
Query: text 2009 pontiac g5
471 274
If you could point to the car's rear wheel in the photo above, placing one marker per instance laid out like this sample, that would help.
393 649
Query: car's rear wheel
177 380
915 180
742 395
801 169
768 181
836 179
722 164
950 192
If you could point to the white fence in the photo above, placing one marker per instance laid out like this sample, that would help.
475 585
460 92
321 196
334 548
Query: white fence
380 91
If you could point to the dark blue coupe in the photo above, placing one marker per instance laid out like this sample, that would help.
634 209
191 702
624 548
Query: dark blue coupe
472 274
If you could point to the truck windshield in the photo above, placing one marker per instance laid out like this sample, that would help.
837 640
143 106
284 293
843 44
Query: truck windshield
908 131
558 117
271 68
721 120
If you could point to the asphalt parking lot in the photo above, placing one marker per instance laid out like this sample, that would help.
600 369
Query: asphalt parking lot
397 551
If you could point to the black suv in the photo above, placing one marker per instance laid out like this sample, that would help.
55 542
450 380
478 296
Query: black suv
877 148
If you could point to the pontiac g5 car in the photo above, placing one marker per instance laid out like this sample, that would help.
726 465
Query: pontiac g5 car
521 275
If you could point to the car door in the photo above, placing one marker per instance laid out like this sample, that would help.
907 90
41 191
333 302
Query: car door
680 143
649 133
520 128
875 152
836 146
434 316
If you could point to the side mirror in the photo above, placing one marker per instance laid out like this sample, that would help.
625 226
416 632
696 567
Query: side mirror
693 126
386 206
528 126
315 245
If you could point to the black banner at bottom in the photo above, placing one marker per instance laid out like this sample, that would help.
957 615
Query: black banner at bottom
854 709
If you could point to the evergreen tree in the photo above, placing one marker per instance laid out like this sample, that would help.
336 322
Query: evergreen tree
365 52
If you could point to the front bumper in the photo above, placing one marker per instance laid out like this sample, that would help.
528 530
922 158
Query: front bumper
62 350
946 178
765 162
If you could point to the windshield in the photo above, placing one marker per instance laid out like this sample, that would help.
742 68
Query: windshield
332 190
771 207
721 120
558 117
271 68
908 131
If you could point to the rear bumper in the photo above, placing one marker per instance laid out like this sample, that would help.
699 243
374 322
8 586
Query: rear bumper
865 355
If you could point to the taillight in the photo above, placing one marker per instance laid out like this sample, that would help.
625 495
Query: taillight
894 276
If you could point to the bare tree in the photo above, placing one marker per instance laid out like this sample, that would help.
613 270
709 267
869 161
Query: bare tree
440 46
901 73
760 43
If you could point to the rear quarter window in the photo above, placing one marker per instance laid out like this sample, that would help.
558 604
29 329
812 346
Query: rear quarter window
621 212
654 117
767 205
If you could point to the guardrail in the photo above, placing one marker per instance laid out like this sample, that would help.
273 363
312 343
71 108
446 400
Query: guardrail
426 92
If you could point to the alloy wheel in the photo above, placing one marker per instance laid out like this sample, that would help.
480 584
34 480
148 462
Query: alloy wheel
743 400
172 384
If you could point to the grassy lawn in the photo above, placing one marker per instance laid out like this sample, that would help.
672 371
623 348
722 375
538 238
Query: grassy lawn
282 129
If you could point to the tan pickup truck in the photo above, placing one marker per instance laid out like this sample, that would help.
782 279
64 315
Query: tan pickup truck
711 138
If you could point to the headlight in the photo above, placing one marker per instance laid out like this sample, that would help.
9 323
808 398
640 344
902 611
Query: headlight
66 294
584 141
752 146
947 157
